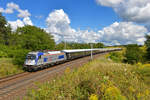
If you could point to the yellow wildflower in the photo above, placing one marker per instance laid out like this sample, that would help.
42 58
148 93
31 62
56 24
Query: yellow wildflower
93 97
147 92
131 89
68 70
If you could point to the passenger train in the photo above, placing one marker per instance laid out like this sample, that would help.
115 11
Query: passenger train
39 60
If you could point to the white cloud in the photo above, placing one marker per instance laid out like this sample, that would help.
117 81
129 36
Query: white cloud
15 24
58 23
7 11
11 7
123 33
23 13
19 23
130 10
110 3
87 36
27 21
1 9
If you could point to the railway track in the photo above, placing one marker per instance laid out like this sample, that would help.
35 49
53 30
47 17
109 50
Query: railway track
11 77
23 80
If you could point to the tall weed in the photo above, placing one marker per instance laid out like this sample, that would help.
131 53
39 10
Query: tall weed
100 79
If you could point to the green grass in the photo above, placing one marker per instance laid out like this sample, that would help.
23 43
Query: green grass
8 68
144 72
100 79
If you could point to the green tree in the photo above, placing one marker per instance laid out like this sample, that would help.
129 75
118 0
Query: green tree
5 30
74 45
98 45
60 46
147 43
19 56
32 38
133 54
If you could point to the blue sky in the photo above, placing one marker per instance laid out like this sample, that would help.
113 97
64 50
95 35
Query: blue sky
82 13
112 22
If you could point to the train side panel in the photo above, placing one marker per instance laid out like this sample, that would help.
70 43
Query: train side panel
51 58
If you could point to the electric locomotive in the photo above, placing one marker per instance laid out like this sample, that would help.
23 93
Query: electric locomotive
38 60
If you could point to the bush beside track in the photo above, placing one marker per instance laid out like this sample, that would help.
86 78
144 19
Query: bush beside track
100 79
7 68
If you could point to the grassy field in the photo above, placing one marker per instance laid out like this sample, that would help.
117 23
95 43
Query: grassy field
100 79
7 68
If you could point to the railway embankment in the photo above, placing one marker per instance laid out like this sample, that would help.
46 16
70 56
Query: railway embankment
7 68
100 79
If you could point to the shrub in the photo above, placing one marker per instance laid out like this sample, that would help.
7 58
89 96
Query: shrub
113 93
144 72
19 56
7 68
116 56
144 95
133 54
2 54
7 51
147 44
3 51
84 88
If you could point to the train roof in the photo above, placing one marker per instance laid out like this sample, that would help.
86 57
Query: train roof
82 50
33 52
54 52
75 50
79 50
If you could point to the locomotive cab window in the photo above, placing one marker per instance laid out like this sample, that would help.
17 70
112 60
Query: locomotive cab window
31 56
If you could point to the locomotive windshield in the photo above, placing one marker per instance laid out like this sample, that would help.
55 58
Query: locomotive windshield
31 56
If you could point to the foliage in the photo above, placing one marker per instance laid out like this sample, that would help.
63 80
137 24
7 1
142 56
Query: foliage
7 51
73 45
144 72
5 30
133 54
116 56
7 68
101 79
144 53
113 93
61 46
32 38
3 51
147 43
19 56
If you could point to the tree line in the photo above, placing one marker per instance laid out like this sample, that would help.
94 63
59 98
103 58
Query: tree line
133 53
72 45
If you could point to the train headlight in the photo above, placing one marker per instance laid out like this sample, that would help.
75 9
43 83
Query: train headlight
30 62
